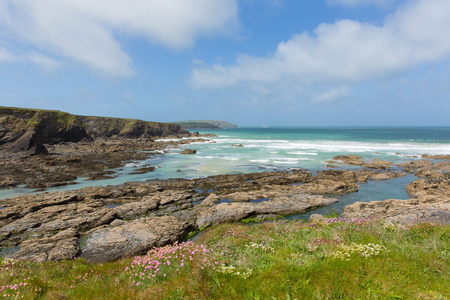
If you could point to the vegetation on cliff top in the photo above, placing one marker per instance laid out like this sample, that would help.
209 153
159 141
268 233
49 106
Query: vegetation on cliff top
205 124
336 259
52 123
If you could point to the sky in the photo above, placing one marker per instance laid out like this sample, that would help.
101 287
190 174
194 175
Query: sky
249 62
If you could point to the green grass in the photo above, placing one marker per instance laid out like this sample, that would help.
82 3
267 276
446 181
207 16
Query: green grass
340 259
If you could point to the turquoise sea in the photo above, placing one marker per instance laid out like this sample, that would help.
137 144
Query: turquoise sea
280 148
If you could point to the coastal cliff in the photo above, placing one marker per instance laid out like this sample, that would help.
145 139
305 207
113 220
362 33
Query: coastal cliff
25 131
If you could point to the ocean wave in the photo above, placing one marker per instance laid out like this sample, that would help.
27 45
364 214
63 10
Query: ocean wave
308 147
302 153
259 160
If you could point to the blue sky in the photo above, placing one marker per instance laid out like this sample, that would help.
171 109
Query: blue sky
250 62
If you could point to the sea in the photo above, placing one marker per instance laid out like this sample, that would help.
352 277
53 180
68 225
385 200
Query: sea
260 149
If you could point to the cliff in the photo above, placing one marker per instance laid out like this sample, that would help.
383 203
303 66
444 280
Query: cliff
27 130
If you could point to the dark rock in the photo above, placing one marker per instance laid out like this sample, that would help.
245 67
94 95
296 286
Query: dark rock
188 151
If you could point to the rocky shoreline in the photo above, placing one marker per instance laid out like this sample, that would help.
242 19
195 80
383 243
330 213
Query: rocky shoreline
107 223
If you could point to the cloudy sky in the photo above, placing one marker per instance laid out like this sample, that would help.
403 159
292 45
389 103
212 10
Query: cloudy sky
250 62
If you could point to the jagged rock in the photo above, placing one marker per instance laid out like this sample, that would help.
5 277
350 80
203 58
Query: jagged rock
61 217
133 238
61 246
422 187
188 151
425 208
28 143
411 166
8 182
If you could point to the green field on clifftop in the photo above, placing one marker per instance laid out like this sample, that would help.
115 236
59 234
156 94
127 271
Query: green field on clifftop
336 259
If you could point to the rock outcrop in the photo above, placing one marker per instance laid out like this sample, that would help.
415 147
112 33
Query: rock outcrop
432 202
188 151
106 223
284 205
422 209
132 238
26 131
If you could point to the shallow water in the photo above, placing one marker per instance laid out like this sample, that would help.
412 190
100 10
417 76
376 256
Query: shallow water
370 191
282 148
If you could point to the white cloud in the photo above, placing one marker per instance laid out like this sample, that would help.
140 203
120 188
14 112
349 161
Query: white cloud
344 52
5 55
87 31
333 93
33 57
43 61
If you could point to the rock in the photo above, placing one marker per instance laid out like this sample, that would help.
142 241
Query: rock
317 218
133 238
336 175
424 209
8 182
447 157
411 166
137 208
378 164
237 145
364 175
143 170
210 200
362 178
422 187
62 246
349 159
61 217
228 212
357 161
188 151
325 186
386 175
27 144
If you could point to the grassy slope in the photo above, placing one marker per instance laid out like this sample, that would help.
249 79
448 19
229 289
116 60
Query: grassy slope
280 260
205 124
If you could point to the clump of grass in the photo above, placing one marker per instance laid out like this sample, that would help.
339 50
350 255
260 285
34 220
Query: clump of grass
337 259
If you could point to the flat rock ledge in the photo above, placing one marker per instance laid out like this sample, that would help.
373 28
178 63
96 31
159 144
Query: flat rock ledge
434 209
431 202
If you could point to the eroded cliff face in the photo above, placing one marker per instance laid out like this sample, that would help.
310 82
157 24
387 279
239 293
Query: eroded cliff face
26 131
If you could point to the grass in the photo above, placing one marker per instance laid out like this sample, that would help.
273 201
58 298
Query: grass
339 259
